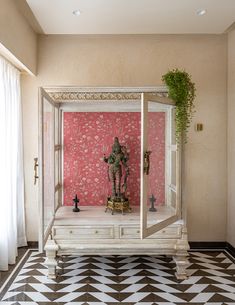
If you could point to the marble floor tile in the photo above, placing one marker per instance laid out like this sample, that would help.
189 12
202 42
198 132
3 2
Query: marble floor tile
124 280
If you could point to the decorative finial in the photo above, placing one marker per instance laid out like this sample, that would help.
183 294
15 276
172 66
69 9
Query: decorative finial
76 200
152 200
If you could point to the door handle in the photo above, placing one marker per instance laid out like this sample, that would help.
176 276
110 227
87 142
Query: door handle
35 168
147 162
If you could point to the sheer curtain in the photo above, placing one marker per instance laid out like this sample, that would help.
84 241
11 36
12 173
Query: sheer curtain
12 214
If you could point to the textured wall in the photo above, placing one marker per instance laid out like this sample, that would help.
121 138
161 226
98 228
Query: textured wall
89 135
17 35
141 60
231 139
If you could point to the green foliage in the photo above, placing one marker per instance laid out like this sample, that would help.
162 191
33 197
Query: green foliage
182 91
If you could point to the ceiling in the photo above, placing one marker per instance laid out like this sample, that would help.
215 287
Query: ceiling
133 16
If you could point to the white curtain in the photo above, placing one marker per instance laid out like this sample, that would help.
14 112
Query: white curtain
12 214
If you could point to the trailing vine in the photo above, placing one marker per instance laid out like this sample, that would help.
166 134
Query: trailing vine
182 91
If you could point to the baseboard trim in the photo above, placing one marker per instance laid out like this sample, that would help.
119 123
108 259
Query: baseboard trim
212 245
221 245
33 244
230 249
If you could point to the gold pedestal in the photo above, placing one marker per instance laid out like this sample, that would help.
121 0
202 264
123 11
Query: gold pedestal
120 206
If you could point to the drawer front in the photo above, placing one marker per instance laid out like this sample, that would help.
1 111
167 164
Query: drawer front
83 232
128 232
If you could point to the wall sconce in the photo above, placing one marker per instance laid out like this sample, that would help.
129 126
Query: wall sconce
199 127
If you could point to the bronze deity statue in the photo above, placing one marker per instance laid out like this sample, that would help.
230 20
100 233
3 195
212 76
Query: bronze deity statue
116 161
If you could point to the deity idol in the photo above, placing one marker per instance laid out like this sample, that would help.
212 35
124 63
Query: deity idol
116 160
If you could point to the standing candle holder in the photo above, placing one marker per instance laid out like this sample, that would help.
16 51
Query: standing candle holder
152 200
76 201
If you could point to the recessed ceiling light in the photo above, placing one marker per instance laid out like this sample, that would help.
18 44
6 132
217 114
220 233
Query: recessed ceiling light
201 12
77 12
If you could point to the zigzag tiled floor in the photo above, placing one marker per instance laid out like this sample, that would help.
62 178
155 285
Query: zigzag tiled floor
113 280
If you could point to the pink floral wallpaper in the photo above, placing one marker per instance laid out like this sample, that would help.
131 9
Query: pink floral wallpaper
89 135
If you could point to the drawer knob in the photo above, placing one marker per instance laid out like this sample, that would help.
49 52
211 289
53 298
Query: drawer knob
96 232
70 232
138 231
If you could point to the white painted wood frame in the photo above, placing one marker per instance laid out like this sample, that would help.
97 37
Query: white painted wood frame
170 147
44 232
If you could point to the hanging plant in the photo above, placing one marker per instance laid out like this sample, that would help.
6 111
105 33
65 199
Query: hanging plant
182 91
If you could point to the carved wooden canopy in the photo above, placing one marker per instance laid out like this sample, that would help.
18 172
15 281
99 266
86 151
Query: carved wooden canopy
79 94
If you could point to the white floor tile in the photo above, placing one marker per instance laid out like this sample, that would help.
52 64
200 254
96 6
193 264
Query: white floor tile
71 288
69 297
103 297
169 297
75 266
131 272
192 280
166 288
132 280
136 297
134 287
202 297
197 288
103 280
159 272
73 279
228 295
41 287
103 288
162 279
103 266
37 297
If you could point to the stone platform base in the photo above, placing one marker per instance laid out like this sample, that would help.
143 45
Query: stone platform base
118 206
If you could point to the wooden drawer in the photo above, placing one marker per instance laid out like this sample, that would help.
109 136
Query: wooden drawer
129 232
83 232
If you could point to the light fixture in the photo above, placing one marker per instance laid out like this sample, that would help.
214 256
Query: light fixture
201 12
77 12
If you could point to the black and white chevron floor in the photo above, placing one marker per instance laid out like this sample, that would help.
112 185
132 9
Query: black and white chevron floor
140 280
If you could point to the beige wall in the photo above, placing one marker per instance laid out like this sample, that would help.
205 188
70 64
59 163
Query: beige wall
17 36
141 61
231 139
